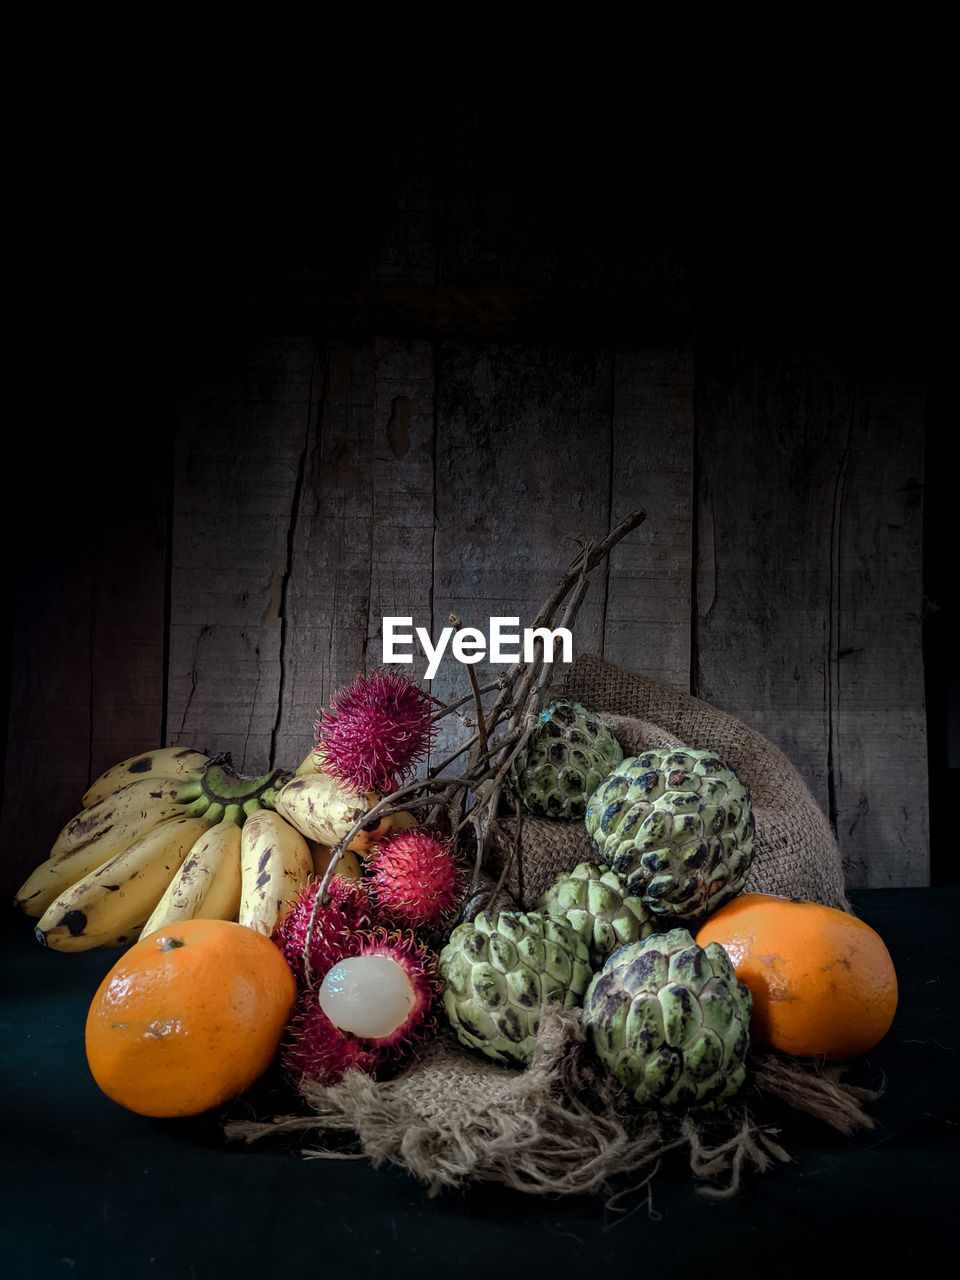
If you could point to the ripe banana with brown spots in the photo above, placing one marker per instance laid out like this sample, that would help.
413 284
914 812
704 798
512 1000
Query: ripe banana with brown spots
349 867
323 809
97 834
119 863
165 762
207 884
275 861
109 906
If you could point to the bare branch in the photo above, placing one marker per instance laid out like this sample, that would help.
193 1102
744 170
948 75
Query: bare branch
472 800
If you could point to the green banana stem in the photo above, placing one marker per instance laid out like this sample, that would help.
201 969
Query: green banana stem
250 806
221 784
234 813
198 808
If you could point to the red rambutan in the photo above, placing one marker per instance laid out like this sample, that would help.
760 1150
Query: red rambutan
368 1011
378 727
415 881
318 1051
338 928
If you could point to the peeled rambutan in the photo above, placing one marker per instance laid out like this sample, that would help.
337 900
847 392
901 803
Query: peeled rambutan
377 728
415 880
368 1011
338 927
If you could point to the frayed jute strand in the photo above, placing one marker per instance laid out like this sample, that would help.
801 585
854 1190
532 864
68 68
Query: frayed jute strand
561 1127
815 1088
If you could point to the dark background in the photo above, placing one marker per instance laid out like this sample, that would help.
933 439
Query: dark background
785 248
746 252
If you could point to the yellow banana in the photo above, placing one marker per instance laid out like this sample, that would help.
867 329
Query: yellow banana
165 762
275 860
99 833
324 810
349 866
110 906
207 883
403 822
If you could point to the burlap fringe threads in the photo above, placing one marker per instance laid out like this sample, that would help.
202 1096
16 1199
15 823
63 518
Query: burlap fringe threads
563 1126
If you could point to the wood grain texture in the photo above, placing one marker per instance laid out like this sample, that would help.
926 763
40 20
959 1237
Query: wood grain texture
879 743
523 470
321 485
240 442
362 541
771 436
48 757
328 599
128 628
647 624
466 337
86 635
809 572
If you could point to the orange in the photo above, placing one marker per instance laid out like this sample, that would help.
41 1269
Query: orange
189 1017
822 981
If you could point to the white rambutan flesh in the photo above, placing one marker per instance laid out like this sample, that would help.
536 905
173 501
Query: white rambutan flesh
370 996
394 1004
370 1009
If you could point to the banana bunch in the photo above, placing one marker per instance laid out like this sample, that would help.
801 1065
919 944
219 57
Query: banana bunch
171 834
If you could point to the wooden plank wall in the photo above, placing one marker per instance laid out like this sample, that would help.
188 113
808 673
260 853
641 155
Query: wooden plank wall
432 479
425 430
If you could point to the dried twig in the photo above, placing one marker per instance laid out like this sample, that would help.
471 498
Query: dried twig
475 687
472 798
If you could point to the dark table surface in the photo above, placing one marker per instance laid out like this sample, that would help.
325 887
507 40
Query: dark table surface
90 1189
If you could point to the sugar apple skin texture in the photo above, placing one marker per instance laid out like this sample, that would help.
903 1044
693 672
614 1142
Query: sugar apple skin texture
567 756
678 827
671 1021
500 970
596 902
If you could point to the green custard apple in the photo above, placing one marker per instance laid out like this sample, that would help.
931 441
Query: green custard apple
567 756
677 825
671 1021
500 970
597 903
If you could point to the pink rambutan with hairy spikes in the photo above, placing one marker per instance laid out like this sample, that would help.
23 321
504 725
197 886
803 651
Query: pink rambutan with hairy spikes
377 728
415 880
370 1009
318 1051
338 927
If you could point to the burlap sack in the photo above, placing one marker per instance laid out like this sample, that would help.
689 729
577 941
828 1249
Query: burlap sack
564 1125
795 852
